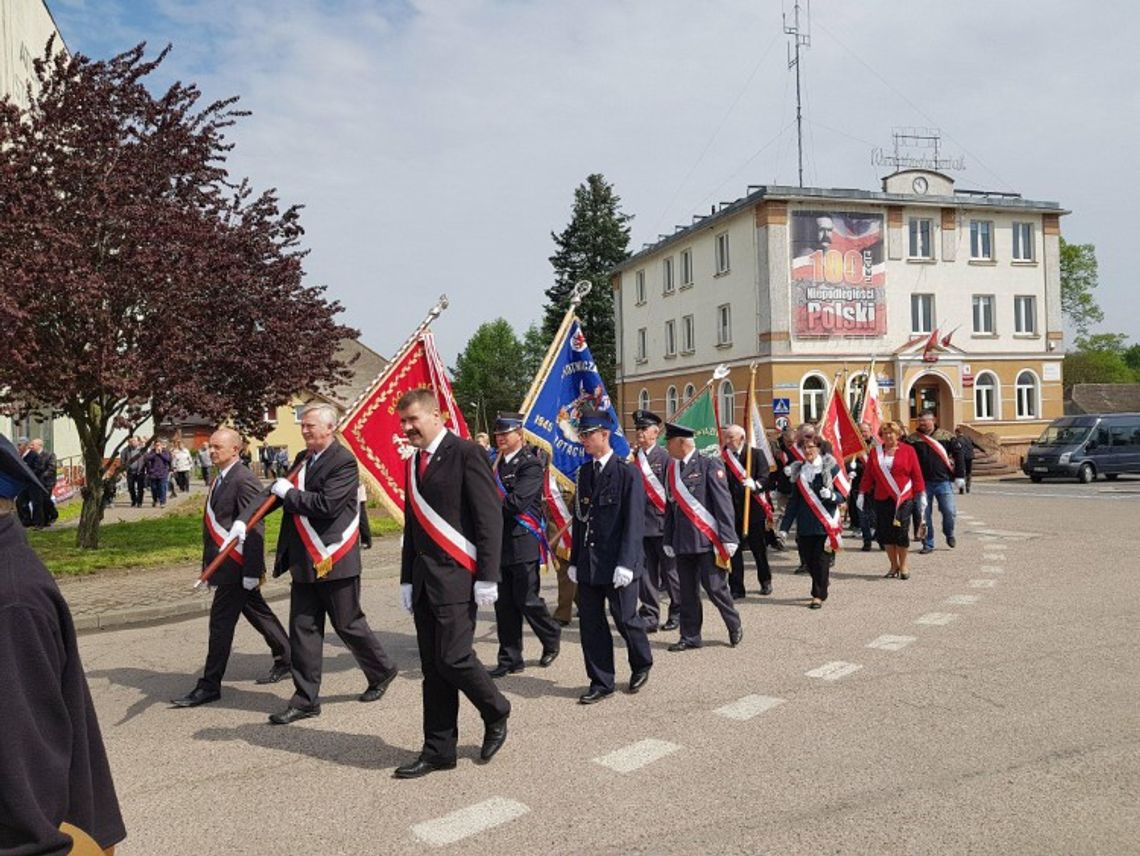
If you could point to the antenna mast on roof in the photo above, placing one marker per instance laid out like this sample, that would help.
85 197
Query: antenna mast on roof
800 38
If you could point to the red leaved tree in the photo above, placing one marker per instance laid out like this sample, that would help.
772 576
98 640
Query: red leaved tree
139 280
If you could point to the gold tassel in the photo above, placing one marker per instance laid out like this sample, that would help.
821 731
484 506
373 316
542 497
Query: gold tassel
323 567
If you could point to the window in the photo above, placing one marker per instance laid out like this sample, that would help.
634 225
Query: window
855 386
667 276
921 313
985 396
690 391
722 261
670 402
921 238
298 409
981 240
1023 242
984 314
639 286
724 324
688 332
642 344
1025 315
671 338
643 399
686 268
727 403
813 390
1027 395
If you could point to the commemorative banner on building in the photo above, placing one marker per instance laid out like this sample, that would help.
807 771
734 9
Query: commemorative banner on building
838 274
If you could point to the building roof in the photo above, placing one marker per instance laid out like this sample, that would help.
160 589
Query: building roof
364 364
1103 398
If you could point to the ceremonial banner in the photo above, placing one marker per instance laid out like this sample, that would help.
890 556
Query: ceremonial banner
758 437
372 430
871 412
700 415
568 384
838 274
839 429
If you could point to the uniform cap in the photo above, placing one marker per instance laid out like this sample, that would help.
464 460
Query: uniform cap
672 429
506 422
645 419
593 421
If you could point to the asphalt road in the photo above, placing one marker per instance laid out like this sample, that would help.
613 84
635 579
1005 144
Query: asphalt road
990 704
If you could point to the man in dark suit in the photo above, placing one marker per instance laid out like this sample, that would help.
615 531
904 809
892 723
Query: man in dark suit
756 481
606 559
319 545
30 502
698 491
660 575
453 533
237 583
519 472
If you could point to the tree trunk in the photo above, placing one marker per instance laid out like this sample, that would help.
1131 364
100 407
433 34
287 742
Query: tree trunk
87 535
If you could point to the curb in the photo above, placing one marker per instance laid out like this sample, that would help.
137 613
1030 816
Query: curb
166 612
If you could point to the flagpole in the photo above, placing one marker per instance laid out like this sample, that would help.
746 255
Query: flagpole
577 294
719 373
748 442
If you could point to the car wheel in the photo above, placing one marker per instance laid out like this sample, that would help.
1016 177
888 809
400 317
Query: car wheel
1112 476
1086 473
1036 479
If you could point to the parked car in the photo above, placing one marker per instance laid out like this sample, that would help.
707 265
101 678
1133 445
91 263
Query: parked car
1084 447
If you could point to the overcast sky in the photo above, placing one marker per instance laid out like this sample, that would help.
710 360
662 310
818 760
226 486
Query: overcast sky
437 143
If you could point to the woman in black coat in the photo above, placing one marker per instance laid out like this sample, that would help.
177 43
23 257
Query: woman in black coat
812 488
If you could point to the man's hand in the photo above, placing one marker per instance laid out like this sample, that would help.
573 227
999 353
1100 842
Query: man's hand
237 533
250 583
750 484
825 493
486 593
282 487
572 573
622 577
960 484
406 596
731 549
669 551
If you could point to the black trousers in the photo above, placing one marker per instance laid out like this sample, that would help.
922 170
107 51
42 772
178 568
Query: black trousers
230 602
598 641
365 526
518 599
444 634
818 563
697 571
136 486
756 542
660 577
309 603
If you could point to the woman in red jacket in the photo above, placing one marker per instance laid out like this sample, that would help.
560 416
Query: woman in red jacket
894 480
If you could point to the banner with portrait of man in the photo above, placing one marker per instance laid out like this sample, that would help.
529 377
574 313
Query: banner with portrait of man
839 274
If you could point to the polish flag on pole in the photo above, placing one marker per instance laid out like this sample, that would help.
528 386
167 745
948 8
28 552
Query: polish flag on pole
872 412
839 429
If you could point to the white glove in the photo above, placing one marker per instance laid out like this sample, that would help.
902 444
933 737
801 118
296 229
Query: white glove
781 535
622 577
825 493
788 470
406 596
486 593
282 487
852 469
250 583
960 483
731 549
237 533
750 484
669 551
859 501
922 504
572 573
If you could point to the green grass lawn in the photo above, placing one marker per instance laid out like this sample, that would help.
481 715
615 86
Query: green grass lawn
172 539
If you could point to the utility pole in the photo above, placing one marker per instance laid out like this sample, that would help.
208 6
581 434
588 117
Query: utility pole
799 39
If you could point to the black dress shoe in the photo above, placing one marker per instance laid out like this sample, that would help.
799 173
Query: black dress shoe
594 696
421 767
277 673
563 622
802 569
765 588
925 550
950 542
651 627
734 636
292 714
866 546
671 624
376 691
502 670
548 657
494 736
683 645
196 697
639 679
737 595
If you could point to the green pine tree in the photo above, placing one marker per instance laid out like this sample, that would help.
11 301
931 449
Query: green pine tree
490 375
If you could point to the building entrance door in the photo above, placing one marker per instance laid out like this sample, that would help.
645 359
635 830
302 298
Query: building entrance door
931 392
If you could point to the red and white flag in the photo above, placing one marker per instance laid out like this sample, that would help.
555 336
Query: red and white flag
872 412
758 437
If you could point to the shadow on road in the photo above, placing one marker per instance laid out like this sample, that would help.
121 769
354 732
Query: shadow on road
365 751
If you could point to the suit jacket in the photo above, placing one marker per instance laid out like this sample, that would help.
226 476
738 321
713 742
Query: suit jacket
238 489
329 503
707 481
609 522
459 486
522 479
658 461
736 489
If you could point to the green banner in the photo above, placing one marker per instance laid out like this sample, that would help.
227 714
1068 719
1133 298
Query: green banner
700 417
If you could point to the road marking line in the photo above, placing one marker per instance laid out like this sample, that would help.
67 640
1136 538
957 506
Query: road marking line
748 707
637 755
993 557
936 618
991 569
975 522
469 821
891 643
833 671
987 537
987 583
962 599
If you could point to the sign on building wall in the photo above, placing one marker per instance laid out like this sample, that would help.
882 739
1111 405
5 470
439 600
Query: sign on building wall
839 276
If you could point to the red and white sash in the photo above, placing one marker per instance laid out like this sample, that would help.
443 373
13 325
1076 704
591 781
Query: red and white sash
940 451
698 515
737 469
219 533
901 494
559 515
324 556
841 482
653 487
829 521
447 537
796 452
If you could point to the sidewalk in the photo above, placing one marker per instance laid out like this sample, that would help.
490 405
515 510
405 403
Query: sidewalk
121 511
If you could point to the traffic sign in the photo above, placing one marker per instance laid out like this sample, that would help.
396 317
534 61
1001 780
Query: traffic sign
781 406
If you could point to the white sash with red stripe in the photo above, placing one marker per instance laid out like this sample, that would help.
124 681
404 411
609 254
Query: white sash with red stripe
447 537
324 556
218 533
796 452
559 515
829 521
653 487
901 494
698 515
841 482
940 451
737 469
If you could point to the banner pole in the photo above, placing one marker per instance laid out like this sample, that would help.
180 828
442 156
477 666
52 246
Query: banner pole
748 441
577 294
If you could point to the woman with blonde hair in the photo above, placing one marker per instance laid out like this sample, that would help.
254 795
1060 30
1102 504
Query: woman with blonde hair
894 480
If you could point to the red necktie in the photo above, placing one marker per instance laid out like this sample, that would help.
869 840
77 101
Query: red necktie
425 456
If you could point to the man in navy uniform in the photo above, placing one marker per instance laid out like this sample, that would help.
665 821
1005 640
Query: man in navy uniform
660 574
700 531
606 559
519 472
757 483
237 583
53 767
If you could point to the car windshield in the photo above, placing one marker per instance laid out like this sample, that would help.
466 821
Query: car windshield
1064 435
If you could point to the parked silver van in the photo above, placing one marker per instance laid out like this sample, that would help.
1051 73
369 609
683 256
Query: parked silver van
1085 447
